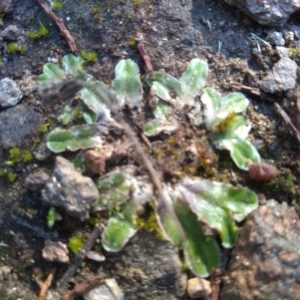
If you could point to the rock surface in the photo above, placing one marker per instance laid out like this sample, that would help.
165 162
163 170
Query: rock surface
147 268
267 12
18 125
36 182
266 260
283 75
10 33
108 291
10 93
70 190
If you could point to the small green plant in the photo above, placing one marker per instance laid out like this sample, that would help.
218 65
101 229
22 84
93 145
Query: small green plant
36 35
52 217
89 57
122 192
228 129
15 48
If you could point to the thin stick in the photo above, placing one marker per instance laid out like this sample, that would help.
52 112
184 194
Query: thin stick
61 25
146 59
84 287
163 197
62 284
46 285
287 120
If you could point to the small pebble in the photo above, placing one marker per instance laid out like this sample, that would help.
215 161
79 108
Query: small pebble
55 251
262 172
198 287
36 182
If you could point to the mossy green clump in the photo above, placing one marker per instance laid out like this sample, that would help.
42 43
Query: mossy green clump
293 53
14 48
43 128
76 243
11 176
89 57
56 5
14 157
27 157
283 183
133 43
150 224
36 35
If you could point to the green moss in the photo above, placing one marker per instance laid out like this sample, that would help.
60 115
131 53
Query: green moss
36 35
15 155
43 128
118 179
293 53
2 173
133 43
1 61
15 48
76 243
56 5
89 57
27 157
11 176
37 142
150 224
12 47
283 183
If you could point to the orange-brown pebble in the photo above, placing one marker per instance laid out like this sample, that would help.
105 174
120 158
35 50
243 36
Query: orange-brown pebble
262 171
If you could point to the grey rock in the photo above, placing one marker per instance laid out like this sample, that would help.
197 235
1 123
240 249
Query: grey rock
275 38
283 75
107 291
10 93
267 12
266 260
55 251
70 190
10 33
18 125
36 182
147 268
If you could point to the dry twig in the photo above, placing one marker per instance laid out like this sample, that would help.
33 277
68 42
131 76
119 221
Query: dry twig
46 285
287 120
84 287
215 281
61 25
146 59
62 284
